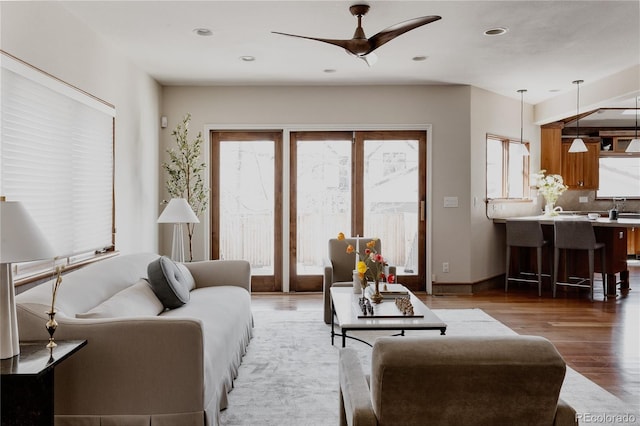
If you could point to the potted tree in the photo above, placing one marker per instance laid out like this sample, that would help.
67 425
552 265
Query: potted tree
185 170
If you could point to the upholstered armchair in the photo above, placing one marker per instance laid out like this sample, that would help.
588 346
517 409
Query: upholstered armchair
442 380
339 266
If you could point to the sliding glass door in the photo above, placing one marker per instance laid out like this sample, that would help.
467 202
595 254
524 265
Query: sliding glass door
246 219
359 183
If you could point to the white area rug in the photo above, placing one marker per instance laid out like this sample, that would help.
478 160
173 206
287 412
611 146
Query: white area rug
289 375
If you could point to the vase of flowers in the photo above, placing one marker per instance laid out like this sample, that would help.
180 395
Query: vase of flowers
550 187
369 265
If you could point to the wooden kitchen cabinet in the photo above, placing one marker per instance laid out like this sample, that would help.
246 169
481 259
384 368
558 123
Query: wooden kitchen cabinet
580 170
551 148
633 242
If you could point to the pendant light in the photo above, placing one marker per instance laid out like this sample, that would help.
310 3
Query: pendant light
578 144
523 147
634 145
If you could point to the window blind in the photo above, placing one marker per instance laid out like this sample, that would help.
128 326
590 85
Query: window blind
56 157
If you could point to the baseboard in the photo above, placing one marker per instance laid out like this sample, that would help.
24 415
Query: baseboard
442 289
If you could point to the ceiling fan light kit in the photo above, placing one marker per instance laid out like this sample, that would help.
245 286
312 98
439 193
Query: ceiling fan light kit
361 46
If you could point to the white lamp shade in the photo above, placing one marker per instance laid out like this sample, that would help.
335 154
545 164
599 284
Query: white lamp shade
578 146
21 240
178 211
634 146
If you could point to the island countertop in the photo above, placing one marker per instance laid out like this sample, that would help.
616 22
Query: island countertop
612 232
603 221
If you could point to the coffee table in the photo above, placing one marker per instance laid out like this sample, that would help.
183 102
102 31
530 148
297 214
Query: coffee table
346 310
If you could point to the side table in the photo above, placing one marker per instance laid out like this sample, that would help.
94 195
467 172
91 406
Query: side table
27 382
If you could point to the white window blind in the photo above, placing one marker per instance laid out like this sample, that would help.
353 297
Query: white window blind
56 157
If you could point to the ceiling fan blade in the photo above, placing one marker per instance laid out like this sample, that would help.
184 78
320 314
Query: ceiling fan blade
345 44
396 30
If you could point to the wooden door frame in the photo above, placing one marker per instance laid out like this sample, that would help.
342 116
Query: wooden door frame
258 283
413 282
419 282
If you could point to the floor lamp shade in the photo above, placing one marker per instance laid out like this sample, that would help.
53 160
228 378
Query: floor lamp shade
178 212
20 241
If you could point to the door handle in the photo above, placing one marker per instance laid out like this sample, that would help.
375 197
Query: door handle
422 211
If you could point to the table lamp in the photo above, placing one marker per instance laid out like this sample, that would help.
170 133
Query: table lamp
20 241
178 212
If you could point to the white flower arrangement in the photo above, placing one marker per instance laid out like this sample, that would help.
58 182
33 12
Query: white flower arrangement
549 186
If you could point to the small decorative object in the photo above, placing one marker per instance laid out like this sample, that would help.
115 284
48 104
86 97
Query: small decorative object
357 282
369 264
551 187
404 305
366 306
52 324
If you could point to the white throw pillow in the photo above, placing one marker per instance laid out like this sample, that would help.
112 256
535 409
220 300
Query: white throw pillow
139 300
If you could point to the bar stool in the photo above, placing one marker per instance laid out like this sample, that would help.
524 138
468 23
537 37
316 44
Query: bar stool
577 235
525 233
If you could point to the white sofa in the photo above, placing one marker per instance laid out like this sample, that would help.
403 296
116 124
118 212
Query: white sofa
142 367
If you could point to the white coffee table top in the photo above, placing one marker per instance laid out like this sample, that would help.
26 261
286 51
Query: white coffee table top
347 310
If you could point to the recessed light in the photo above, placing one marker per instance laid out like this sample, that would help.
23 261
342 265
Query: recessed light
498 31
204 32
329 70
248 58
419 58
554 90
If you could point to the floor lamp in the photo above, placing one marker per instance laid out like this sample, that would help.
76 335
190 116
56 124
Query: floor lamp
178 212
20 241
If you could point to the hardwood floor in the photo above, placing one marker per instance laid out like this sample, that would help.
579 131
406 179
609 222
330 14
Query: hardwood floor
600 339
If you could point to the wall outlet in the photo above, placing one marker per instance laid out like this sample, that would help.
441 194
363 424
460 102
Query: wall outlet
583 199
445 266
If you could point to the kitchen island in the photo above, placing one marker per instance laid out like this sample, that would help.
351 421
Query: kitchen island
613 233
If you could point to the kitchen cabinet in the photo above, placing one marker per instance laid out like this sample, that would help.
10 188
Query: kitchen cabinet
633 242
551 148
580 170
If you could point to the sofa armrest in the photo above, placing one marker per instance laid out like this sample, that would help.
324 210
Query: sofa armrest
210 273
124 358
565 415
355 397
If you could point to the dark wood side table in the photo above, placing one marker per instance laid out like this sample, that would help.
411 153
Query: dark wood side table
27 383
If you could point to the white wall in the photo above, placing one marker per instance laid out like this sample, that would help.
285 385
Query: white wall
498 115
446 108
46 36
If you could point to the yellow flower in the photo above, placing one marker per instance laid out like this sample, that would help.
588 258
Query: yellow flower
340 236
362 267
371 244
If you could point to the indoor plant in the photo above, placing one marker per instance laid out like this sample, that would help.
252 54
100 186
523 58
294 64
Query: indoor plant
185 173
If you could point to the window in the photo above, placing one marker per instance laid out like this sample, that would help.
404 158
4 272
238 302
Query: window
56 157
507 168
619 177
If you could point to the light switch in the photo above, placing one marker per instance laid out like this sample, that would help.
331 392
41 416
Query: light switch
450 202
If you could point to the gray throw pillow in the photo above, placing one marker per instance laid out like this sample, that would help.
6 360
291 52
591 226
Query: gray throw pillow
168 282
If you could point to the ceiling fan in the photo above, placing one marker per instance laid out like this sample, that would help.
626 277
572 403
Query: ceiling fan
361 46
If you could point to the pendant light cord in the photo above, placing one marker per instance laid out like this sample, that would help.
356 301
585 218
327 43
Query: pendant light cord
577 82
636 117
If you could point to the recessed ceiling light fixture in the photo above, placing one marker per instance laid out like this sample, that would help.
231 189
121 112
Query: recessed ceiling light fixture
329 71
498 31
419 58
204 32
247 58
